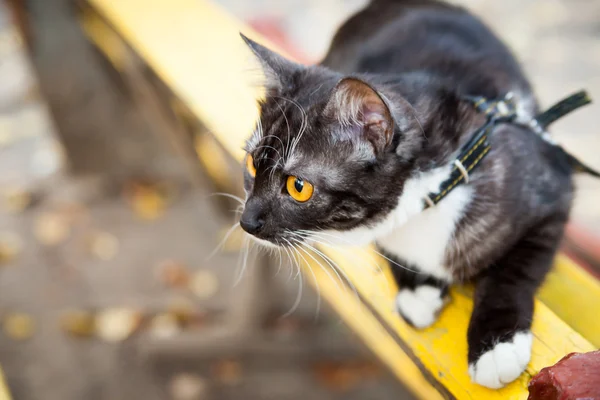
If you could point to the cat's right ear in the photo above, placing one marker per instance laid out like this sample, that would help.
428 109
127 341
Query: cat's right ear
277 69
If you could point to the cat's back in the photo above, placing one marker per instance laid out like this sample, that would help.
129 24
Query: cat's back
400 36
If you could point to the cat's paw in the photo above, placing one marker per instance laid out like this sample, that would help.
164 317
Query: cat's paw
420 307
504 363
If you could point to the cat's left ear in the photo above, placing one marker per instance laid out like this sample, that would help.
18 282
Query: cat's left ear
362 113
278 70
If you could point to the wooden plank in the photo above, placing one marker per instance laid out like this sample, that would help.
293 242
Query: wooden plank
4 393
194 47
571 293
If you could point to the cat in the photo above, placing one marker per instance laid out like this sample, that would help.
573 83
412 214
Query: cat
346 151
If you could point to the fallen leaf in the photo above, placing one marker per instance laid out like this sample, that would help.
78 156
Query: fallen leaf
117 324
204 284
183 310
286 326
344 376
227 372
104 246
51 229
78 323
17 199
173 273
188 387
19 326
164 326
10 247
147 200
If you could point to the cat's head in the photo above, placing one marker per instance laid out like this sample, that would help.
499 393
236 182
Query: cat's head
330 152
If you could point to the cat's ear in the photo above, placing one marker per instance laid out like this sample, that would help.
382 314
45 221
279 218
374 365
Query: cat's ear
362 113
278 70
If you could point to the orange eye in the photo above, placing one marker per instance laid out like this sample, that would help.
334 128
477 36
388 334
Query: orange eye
299 189
250 165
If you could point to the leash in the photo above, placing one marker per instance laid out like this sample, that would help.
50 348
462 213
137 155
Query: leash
500 112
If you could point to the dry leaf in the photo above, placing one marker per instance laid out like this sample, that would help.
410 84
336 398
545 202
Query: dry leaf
51 229
227 372
104 246
164 326
117 324
78 323
10 247
17 200
173 274
183 311
147 200
345 376
188 387
19 326
204 284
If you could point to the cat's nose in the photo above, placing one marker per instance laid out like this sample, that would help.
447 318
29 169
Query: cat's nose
252 225
252 220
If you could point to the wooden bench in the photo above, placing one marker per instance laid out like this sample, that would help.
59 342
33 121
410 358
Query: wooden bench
192 51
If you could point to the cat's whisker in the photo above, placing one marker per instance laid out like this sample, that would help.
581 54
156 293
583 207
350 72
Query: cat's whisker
336 268
307 264
280 261
302 245
300 288
223 241
285 153
303 125
373 263
281 157
264 146
361 254
291 262
312 233
228 195
247 245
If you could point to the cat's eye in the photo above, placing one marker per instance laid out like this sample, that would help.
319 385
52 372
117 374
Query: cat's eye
250 165
299 189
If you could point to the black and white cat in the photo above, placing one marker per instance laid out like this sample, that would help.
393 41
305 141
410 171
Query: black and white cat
348 150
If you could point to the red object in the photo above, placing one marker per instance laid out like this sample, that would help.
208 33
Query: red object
271 29
575 377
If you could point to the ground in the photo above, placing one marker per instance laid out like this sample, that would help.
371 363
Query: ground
96 233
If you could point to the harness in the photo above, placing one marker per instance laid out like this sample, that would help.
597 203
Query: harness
501 112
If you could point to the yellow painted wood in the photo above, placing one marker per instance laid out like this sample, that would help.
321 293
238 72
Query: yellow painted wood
442 348
105 38
369 329
573 294
4 393
194 47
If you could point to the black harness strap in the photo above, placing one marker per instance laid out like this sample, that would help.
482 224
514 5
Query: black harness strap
562 108
498 112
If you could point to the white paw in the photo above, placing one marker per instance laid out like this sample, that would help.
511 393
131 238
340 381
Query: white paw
420 307
504 363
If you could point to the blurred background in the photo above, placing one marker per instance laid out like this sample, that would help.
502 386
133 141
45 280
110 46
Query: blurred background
104 237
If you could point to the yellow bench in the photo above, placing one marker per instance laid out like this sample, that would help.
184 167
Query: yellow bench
193 47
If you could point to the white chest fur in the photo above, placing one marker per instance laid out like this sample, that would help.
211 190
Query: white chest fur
422 240
416 236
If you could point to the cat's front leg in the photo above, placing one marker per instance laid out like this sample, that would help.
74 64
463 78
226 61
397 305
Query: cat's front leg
421 296
499 333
